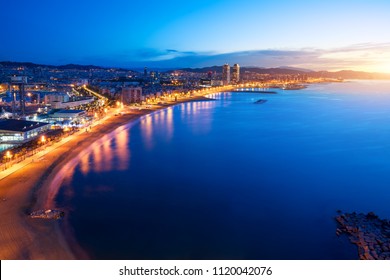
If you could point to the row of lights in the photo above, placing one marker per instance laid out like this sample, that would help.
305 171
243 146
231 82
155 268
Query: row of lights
9 155
119 104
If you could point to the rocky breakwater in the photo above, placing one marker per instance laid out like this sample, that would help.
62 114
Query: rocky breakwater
370 233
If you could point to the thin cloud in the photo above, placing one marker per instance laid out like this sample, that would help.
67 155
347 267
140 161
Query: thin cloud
365 56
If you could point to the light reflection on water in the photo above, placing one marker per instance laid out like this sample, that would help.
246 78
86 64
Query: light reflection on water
230 179
109 153
190 113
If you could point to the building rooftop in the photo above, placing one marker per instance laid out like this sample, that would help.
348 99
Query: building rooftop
69 111
20 125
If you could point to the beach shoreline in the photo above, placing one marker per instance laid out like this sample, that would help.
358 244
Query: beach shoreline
35 185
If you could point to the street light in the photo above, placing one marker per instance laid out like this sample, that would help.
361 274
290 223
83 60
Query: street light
43 139
8 157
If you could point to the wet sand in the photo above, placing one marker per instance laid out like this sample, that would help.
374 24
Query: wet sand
31 188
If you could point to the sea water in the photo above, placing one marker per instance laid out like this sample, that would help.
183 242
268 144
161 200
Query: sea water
231 179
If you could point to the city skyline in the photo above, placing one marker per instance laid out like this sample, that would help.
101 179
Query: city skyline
200 130
329 36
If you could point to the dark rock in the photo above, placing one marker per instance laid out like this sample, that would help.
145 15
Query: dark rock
372 216
368 232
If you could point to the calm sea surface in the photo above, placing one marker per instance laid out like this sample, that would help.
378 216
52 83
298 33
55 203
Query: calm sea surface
230 179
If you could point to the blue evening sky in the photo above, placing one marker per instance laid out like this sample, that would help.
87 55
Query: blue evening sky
320 35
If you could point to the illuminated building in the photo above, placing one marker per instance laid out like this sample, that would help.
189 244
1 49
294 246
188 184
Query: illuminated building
226 74
131 95
56 97
236 73
205 82
20 131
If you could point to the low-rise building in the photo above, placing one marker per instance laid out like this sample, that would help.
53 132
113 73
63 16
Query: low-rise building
56 97
131 95
216 83
71 104
65 118
20 131
205 83
69 114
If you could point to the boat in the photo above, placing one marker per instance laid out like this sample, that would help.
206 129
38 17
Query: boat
260 101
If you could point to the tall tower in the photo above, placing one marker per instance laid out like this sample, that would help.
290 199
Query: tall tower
226 74
17 86
236 73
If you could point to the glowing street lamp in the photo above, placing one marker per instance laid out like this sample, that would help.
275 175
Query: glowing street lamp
43 139
8 155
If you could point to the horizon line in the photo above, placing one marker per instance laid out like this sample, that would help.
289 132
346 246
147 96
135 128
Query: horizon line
187 67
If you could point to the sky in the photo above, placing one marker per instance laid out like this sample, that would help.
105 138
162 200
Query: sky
318 35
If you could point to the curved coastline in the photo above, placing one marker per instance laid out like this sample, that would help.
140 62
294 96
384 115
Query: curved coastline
52 185
47 192
35 187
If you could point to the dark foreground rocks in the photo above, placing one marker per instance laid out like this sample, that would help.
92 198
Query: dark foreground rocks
370 233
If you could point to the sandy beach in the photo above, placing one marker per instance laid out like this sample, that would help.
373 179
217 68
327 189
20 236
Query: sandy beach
28 189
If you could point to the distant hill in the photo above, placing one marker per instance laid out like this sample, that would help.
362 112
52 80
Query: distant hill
21 64
259 70
349 74
296 68
217 69
61 67
78 67
285 70
282 70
